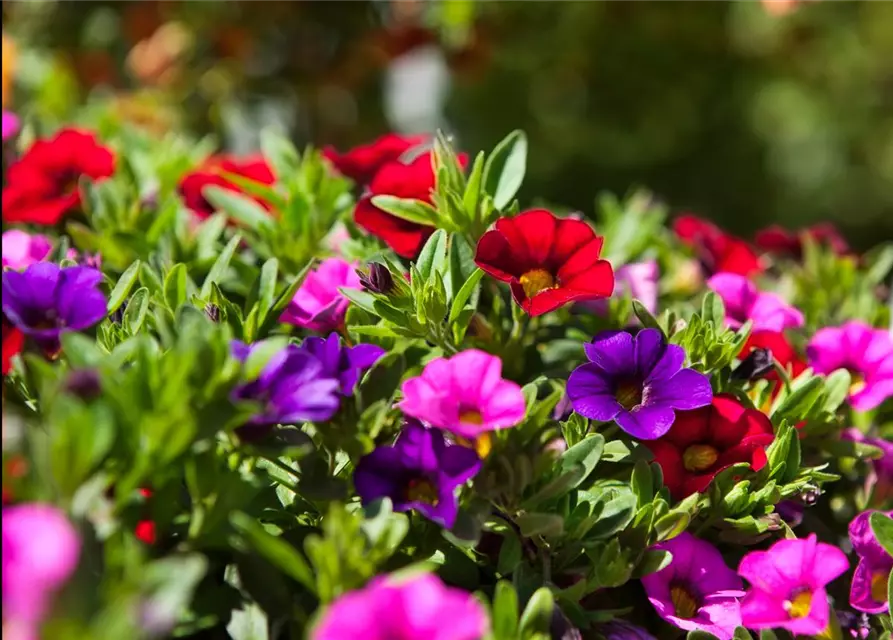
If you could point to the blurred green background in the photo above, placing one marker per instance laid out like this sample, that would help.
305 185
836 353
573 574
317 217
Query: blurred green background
747 113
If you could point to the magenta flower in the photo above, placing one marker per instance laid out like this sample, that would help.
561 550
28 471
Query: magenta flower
465 395
416 608
21 249
10 125
40 552
744 302
788 585
319 305
866 352
639 280
697 590
868 591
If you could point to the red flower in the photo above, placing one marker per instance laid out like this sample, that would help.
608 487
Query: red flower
703 442
548 261
13 341
43 183
776 239
360 164
212 173
718 250
145 529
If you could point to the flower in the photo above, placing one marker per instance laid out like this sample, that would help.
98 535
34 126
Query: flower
378 280
636 381
879 481
10 125
416 608
341 363
547 261
743 302
213 173
866 352
696 590
703 442
21 249
145 530
13 341
718 250
43 183
290 388
788 585
361 163
465 395
778 240
638 280
868 592
419 471
780 349
46 300
318 304
40 552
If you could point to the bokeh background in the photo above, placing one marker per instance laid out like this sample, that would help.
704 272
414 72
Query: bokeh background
747 113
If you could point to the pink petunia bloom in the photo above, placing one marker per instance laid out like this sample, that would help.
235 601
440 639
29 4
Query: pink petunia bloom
788 585
696 590
417 608
318 304
10 125
21 249
866 352
465 395
744 302
638 280
868 591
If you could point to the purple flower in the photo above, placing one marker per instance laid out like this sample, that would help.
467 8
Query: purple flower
21 250
319 304
45 300
637 381
10 125
791 511
868 592
416 608
291 388
419 471
697 590
788 585
345 364
744 302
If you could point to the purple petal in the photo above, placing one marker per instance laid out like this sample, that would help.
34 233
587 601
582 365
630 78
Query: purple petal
650 346
668 365
458 464
646 423
612 351
687 390
591 393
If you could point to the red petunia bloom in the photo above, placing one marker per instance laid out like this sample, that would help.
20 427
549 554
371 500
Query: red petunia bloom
703 442
778 240
43 183
145 529
361 163
13 341
718 250
548 261
213 173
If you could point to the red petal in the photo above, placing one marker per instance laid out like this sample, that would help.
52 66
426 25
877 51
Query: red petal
727 421
145 531
584 259
738 257
776 239
571 236
536 229
404 237
596 282
670 461
361 163
494 256
412 180
745 451
689 427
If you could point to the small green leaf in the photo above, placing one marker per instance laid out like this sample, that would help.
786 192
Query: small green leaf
279 152
218 269
238 207
697 634
646 317
642 483
464 294
742 634
712 309
433 256
505 168
537 614
472 198
505 610
285 557
175 287
267 286
407 209
882 526
135 313
362 299
123 287
582 458
543 524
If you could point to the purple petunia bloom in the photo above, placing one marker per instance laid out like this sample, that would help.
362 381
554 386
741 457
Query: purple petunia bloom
416 608
788 585
696 590
868 592
637 381
419 471
46 300
345 364
291 388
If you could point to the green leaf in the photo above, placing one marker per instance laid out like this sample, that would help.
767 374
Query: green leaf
248 623
671 525
267 286
742 634
123 287
472 198
362 299
279 152
505 611
537 616
646 317
238 207
283 300
697 634
220 266
581 459
653 561
543 524
642 483
712 309
768 634
461 264
285 557
464 294
882 526
175 288
407 209
837 389
135 312
505 168
433 256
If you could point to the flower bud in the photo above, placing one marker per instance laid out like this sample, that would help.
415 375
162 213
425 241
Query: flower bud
378 280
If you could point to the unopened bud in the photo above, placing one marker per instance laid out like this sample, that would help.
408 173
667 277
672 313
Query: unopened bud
378 280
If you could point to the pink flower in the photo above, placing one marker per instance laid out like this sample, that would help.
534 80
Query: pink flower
866 352
40 552
637 280
10 125
417 608
319 305
788 585
744 302
696 590
21 249
868 592
465 395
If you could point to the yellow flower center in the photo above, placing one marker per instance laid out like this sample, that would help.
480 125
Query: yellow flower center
472 416
857 382
699 457
685 604
879 586
422 490
799 605
536 280
482 445
629 395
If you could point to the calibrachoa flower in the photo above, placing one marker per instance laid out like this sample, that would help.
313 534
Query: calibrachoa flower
40 552
46 300
879 481
43 183
318 304
788 585
703 442
361 163
868 592
21 249
638 280
145 530
778 240
13 341
416 608
636 381
10 125
548 261
718 250
697 590
345 364
743 302
863 350
213 173
419 471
